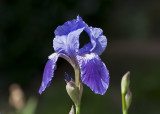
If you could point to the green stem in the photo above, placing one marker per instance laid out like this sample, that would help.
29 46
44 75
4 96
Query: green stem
77 109
124 108
77 73
77 82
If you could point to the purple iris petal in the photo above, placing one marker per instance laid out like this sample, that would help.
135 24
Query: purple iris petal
85 49
98 40
48 72
69 26
67 44
94 73
67 76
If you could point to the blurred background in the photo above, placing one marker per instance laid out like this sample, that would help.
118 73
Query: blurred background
132 28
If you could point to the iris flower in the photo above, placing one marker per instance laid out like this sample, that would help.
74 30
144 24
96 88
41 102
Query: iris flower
93 71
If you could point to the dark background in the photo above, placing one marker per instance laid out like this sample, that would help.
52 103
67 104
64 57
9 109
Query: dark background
132 28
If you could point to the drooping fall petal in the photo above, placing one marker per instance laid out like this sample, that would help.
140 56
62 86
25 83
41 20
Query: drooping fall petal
48 73
94 73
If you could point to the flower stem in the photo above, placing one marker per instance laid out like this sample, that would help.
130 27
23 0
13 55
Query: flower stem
77 109
124 108
79 88
77 73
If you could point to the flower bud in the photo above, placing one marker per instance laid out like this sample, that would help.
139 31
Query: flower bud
125 83
128 98
16 97
72 91
72 110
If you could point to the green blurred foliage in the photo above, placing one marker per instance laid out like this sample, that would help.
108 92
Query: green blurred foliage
132 28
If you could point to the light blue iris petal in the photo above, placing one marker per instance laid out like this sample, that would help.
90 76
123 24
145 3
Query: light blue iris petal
94 73
68 44
98 40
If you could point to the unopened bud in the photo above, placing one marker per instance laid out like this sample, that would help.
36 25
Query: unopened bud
16 97
128 98
72 91
72 110
125 83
